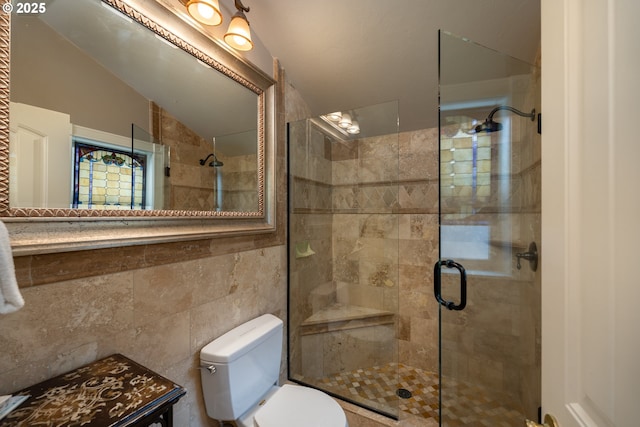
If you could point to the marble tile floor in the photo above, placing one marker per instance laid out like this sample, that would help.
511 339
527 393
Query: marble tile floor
464 404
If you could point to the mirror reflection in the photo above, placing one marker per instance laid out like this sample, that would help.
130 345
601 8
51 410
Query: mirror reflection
105 114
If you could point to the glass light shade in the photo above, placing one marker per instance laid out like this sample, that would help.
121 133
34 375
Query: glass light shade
239 35
335 116
354 129
345 121
205 11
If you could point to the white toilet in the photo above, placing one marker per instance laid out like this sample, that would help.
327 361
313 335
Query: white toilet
240 373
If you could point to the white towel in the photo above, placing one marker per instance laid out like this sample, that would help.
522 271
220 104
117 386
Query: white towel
10 297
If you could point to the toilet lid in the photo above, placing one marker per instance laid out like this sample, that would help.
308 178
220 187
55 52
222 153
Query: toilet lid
296 406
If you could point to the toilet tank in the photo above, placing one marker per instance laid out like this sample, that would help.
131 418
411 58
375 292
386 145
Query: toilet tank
246 364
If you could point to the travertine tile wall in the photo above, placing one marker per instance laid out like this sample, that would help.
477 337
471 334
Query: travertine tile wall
239 183
369 209
190 185
159 316
385 234
158 304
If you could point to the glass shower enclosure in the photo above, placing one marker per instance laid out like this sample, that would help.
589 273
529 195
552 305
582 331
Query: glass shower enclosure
382 225
343 251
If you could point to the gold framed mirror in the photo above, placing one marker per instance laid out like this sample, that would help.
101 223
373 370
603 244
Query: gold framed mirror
70 225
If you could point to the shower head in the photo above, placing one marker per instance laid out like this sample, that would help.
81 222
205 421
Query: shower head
490 126
215 163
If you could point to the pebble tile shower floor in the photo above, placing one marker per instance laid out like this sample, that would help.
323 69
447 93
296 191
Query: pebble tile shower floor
464 404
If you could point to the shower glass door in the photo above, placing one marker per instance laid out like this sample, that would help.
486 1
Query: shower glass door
485 281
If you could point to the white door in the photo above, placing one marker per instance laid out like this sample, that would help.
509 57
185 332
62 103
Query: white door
590 212
40 158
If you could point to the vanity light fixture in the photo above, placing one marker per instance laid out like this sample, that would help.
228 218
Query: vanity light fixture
239 34
207 12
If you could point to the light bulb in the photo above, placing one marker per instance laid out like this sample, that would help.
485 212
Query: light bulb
205 11
354 129
238 35
345 121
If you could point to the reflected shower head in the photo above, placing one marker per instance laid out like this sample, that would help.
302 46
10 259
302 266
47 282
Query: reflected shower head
490 126
215 163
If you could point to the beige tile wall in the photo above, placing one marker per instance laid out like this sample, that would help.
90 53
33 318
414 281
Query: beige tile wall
157 304
369 209
159 316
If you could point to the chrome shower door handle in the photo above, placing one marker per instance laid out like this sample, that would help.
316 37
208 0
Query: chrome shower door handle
437 284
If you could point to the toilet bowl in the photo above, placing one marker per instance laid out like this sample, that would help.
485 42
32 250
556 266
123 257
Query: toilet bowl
240 371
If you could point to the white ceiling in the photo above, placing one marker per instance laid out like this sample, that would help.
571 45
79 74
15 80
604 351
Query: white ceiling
343 54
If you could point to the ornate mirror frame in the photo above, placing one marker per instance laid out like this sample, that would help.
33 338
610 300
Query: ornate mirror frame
36 231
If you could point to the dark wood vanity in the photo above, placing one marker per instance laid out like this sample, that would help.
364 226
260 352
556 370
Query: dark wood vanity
114 391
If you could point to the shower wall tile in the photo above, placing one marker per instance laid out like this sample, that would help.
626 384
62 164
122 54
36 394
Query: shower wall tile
345 172
416 277
416 252
343 150
295 107
379 274
354 348
379 226
317 156
346 271
380 147
312 356
362 295
378 169
419 197
297 149
190 183
310 195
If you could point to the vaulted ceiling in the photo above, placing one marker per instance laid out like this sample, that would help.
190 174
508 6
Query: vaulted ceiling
342 54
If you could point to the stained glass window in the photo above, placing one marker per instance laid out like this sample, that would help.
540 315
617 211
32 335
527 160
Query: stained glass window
106 178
